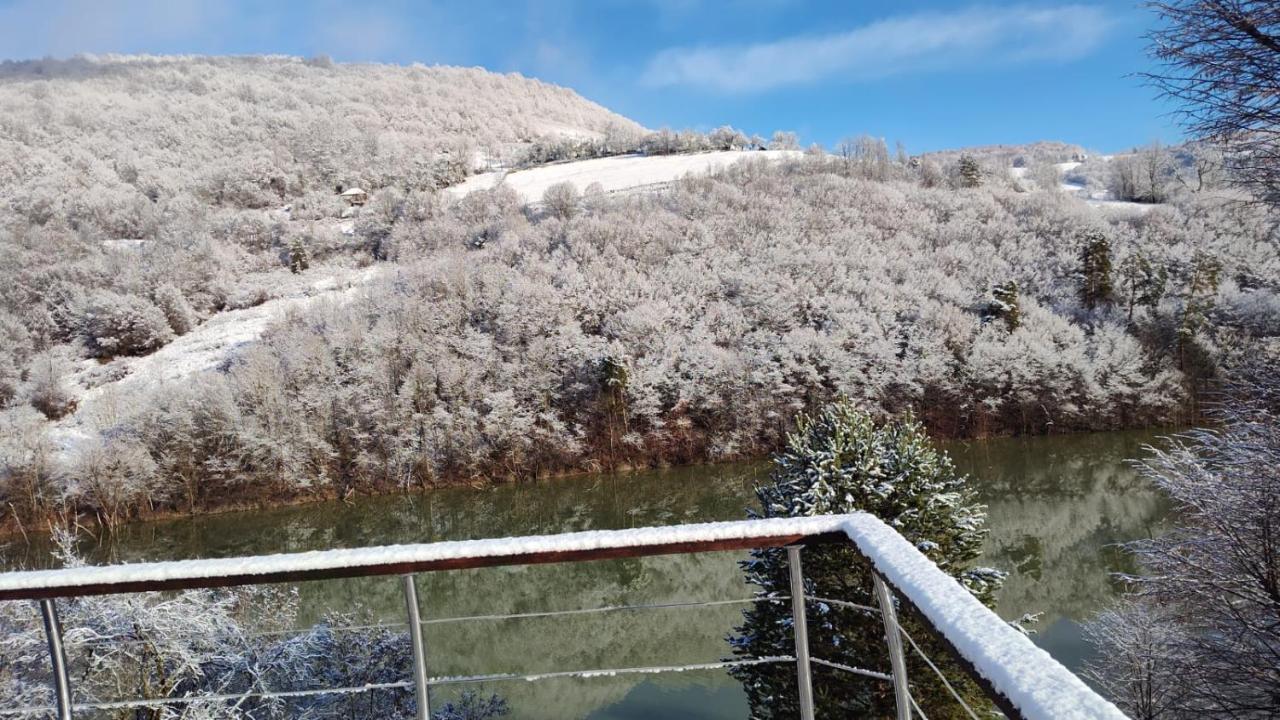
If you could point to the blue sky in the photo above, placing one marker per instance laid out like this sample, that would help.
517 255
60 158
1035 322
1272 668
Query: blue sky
929 73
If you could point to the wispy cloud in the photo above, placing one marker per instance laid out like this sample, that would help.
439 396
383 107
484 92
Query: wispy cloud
893 46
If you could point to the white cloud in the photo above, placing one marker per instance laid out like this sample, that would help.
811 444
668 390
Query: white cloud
897 45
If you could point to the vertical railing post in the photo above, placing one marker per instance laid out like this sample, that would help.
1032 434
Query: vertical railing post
893 639
804 674
57 657
419 649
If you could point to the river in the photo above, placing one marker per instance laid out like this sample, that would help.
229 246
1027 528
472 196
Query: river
1057 508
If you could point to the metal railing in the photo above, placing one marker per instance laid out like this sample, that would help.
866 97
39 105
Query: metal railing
1018 677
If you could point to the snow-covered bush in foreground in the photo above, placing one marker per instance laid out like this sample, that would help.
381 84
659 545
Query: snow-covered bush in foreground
153 646
841 460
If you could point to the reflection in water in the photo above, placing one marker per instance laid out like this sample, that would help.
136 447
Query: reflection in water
1057 506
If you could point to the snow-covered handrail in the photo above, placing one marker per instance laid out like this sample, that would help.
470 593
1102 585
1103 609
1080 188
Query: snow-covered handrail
426 557
1020 677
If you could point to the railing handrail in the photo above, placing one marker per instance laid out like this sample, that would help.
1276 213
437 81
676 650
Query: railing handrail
1020 677
424 557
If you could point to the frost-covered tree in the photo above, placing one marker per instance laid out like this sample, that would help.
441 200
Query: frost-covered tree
182 318
1199 637
969 172
112 479
472 706
784 140
1138 666
1221 64
842 460
561 200
116 324
50 391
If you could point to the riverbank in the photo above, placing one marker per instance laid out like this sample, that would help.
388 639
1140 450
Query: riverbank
86 520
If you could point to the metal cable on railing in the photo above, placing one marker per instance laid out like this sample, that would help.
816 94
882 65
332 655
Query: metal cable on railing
855 670
938 672
496 677
843 604
480 618
402 685
916 707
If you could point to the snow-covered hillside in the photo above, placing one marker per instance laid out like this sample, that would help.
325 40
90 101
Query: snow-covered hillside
95 136
613 174
106 391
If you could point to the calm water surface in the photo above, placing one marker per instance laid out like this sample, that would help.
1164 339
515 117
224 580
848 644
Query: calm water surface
1057 508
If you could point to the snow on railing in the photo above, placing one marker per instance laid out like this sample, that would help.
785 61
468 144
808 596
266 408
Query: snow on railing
1020 678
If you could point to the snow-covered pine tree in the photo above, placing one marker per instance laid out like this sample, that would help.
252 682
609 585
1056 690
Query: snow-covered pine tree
1142 281
970 172
299 256
1004 305
1095 269
842 460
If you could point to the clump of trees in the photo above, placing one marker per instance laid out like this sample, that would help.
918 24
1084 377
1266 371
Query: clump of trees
842 460
1198 637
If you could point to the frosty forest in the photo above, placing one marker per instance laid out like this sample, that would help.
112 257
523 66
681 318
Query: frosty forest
493 339
238 282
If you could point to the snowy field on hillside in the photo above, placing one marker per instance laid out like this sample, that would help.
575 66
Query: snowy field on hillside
614 174
105 392
1102 200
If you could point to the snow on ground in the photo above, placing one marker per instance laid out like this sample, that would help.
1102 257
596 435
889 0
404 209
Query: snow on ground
1100 200
106 391
614 174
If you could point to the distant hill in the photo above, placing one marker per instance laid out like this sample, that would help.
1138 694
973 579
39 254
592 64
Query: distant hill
1043 151
90 138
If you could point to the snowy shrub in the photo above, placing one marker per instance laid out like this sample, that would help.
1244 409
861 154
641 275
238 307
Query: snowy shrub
177 311
195 643
117 324
841 460
112 479
561 200
49 391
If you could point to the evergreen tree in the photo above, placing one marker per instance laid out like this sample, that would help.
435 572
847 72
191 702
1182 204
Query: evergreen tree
970 172
1004 305
841 460
1095 270
299 256
1142 281
471 706
1194 355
